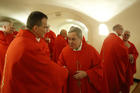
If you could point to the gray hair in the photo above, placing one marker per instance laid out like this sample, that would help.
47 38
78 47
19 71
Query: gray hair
77 30
117 27
5 22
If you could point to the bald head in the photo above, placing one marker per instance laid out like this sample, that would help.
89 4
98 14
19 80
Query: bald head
126 35
63 32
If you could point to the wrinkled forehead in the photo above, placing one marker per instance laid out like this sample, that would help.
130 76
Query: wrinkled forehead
72 34
127 32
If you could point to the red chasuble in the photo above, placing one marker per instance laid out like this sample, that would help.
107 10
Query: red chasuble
5 40
87 59
52 36
132 66
114 56
59 44
28 68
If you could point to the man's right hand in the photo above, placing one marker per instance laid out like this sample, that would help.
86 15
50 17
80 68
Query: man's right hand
131 58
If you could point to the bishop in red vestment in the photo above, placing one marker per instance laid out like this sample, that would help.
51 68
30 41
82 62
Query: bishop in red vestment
28 68
83 63
59 43
50 37
5 39
133 54
114 57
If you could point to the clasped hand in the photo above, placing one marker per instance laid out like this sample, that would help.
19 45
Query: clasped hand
80 74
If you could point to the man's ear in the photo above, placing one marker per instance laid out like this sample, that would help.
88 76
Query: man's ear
4 27
35 28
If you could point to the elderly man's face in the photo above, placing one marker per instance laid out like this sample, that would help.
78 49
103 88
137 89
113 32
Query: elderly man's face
9 28
73 40
120 30
126 36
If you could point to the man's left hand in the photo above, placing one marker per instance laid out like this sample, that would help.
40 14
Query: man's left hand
80 74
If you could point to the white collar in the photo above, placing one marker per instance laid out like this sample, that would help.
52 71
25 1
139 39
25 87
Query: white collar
79 49
116 34
37 39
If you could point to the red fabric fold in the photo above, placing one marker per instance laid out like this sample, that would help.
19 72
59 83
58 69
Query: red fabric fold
28 67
